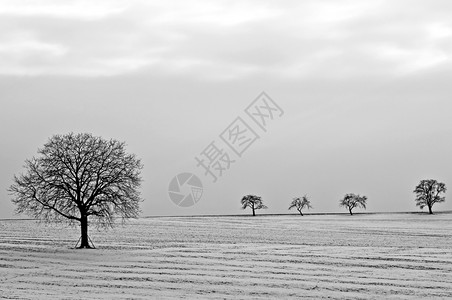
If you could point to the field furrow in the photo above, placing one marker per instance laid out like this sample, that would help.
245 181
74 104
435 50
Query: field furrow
399 256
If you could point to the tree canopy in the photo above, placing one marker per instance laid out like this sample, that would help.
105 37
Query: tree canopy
350 201
254 202
300 204
428 192
77 176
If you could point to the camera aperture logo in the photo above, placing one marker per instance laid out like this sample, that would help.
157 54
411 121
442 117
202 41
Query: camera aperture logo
186 189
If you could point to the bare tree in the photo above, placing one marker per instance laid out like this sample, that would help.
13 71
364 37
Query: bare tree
254 202
300 203
428 192
351 201
76 177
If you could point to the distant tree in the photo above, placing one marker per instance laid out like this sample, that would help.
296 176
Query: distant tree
300 203
351 201
254 202
76 177
428 192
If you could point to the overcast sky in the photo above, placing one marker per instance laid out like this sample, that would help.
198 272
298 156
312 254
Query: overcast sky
365 87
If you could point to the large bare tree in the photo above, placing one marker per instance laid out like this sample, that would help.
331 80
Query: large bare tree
428 192
254 202
300 204
76 177
350 201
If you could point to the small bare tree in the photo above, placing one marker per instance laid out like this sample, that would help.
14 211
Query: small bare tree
428 192
351 201
254 202
76 177
300 204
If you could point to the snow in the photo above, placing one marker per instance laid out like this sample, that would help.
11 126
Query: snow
370 256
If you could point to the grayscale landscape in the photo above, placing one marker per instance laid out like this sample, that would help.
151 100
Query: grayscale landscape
225 149
336 256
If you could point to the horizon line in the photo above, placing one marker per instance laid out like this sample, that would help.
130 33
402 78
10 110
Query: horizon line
263 215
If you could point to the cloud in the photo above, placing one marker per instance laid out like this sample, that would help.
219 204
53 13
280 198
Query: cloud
412 60
87 10
22 46
224 40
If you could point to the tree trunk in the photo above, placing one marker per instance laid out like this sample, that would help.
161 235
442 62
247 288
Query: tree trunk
300 212
84 228
430 209
350 210
254 213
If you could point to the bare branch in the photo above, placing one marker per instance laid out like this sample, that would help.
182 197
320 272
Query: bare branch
428 192
350 201
78 175
254 202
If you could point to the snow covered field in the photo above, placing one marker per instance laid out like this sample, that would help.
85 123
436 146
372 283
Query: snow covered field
376 256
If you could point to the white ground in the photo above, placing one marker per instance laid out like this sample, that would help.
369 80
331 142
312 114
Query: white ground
396 256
